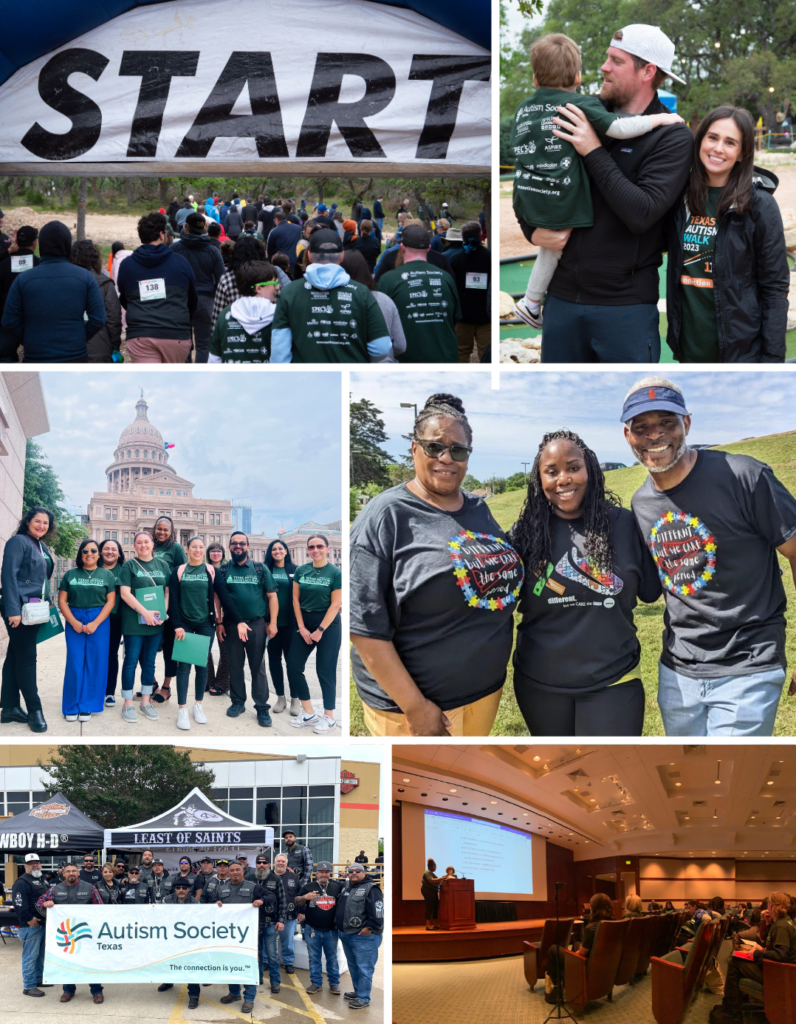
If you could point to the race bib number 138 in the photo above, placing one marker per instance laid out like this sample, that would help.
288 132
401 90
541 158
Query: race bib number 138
154 289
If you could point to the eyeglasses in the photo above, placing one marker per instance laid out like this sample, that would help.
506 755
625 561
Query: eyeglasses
315 547
264 284
436 449
237 544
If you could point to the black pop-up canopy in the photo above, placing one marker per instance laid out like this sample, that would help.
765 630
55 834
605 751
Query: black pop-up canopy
56 826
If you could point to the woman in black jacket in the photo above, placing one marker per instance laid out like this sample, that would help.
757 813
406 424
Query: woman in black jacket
107 340
727 276
27 568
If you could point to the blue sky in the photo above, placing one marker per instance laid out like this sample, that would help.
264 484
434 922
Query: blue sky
508 423
268 440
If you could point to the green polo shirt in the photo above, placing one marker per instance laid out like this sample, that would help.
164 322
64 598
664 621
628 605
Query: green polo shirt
316 586
193 594
172 556
428 303
284 593
87 589
247 592
138 575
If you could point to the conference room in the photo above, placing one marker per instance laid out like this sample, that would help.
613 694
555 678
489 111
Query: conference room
628 884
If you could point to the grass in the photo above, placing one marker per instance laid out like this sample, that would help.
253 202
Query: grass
777 451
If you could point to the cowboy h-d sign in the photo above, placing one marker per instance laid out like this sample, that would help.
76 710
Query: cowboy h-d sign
173 85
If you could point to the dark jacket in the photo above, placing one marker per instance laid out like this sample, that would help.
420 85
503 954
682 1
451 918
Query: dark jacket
25 893
174 603
265 219
222 214
475 301
109 337
233 225
158 318
274 899
45 307
8 342
378 210
205 259
24 570
634 184
373 917
750 279
284 238
370 248
249 213
171 213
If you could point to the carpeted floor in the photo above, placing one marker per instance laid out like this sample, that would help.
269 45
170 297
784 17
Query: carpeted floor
483 991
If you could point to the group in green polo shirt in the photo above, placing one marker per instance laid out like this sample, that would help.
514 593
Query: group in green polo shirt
172 553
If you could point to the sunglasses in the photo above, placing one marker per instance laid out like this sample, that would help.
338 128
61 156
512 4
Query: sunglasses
315 547
236 544
436 449
90 551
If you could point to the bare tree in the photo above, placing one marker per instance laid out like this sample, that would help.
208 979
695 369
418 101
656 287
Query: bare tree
82 195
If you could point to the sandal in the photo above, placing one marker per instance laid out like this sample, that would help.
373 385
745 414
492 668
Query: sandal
158 697
214 692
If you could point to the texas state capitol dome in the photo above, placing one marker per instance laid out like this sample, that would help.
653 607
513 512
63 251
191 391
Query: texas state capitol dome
142 485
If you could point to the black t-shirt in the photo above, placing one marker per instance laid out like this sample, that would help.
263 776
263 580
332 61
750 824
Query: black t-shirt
320 913
713 538
577 628
442 586
92 877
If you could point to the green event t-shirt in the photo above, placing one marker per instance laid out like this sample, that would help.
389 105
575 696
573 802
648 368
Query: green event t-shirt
699 333
172 556
284 593
428 303
117 572
232 344
87 589
316 586
193 594
138 575
246 590
551 185
330 326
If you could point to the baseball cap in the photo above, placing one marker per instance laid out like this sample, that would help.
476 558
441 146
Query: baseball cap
416 237
118 861
27 235
209 860
134 870
355 867
241 856
181 883
157 860
651 397
649 43
289 831
195 221
323 865
262 859
222 861
322 207
326 240
30 857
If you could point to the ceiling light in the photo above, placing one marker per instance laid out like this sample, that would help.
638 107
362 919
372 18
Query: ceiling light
671 764
678 783
769 783
453 791
525 814
718 773
585 840
406 780
545 768
537 758
493 801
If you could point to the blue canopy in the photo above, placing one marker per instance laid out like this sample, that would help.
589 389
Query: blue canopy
35 27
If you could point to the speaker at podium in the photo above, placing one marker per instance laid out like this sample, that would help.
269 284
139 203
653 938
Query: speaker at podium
456 905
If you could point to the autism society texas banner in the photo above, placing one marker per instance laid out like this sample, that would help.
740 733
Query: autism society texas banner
151 943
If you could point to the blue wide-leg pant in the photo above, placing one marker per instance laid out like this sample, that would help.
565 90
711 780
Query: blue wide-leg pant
86 674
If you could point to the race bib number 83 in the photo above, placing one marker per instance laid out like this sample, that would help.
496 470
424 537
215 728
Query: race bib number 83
154 289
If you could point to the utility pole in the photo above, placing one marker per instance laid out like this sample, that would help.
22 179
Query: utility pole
525 466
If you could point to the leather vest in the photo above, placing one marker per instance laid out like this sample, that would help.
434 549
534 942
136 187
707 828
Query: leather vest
229 893
169 884
157 885
270 907
355 910
78 893
108 893
173 899
295 858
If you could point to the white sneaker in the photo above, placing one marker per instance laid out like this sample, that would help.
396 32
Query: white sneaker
71 718
525 311
299 723
183 721
325 724
295 707
198 714
84 716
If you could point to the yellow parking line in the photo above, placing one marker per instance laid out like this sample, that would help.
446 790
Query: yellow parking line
311 1011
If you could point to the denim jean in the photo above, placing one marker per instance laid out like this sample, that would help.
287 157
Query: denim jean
269 954
326 943
249 992
193 990
32 954
147 648
379 222
200 671
575 333
361 952
726 706
93 989
286 947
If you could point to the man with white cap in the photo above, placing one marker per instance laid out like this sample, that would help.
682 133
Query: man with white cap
714 523
602 304
24 896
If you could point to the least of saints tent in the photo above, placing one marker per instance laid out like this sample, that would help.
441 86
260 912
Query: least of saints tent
193 828
175 86
54 827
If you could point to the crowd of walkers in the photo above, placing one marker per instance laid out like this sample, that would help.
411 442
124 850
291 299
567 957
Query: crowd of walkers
252 281
164 596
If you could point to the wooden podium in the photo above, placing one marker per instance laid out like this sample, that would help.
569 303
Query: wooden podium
457 905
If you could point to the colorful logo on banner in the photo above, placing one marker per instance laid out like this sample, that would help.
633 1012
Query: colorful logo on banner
50 811
69 934
684 550
582 569
487 569
348 781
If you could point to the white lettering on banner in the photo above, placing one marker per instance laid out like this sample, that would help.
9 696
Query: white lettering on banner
150 943
154 289
160 83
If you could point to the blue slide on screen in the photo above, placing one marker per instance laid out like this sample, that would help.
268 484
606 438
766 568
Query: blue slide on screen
496 857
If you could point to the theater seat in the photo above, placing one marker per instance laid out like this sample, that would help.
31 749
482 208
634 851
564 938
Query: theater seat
535 953
594 978
777 993
677 976
627 965
648 942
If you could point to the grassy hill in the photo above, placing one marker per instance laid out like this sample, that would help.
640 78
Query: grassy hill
777 451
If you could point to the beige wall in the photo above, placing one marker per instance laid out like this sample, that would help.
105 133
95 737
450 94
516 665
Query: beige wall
352 840
360 808
669 878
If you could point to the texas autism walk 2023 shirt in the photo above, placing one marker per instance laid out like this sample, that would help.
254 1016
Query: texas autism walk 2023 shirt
713 538
442 586
87 589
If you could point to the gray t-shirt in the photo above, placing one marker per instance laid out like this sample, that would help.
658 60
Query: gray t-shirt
577 630
442 586
714 538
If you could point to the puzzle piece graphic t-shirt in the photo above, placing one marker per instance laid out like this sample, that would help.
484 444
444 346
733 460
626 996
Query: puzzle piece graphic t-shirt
713 538
577 630
442 586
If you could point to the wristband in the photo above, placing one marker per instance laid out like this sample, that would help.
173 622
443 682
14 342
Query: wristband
321 629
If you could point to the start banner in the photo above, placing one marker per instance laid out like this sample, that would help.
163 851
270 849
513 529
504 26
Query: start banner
171 83
110 945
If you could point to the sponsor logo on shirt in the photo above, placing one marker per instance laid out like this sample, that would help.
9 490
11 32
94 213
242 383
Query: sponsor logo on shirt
684 550
487 569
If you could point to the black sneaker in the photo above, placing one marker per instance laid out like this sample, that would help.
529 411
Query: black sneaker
193 1002
235 709
290 969
264 719
164 987
275 988
31 992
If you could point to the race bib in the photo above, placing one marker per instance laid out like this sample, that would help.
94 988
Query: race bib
476 280
20 263
154 289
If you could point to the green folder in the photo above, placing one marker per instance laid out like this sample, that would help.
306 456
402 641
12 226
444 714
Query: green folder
193 650
153 599
52 627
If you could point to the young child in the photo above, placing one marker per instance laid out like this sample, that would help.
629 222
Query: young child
242 333
551 186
